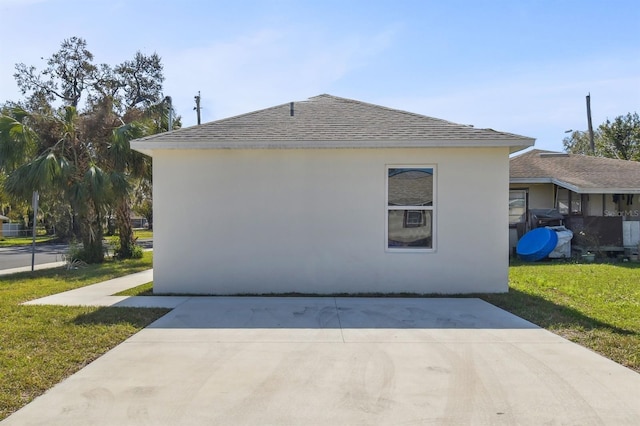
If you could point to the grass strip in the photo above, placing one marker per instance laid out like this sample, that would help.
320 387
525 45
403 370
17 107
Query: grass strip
25 241
41 345
141 290
143 233
594 305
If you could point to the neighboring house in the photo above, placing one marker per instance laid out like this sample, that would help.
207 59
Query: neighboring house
138 222
598 198
330 195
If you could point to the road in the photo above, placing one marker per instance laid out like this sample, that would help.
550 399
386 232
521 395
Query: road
16 257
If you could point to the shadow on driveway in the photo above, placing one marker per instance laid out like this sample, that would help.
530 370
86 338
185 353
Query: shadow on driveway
547 314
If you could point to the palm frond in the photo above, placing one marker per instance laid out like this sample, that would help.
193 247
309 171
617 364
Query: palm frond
120 153
17 139
119 183
37 175
96 183
48 169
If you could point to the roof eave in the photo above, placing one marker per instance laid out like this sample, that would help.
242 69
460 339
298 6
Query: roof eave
147 147
530 180
613 190
538 180
522 145
575 188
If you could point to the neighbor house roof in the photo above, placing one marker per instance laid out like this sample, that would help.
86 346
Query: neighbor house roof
327 121
579 173
3 218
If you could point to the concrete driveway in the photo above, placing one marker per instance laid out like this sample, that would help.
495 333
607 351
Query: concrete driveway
342 361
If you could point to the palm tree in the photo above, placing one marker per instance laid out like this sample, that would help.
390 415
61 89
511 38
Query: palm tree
80 154
124 166
57 157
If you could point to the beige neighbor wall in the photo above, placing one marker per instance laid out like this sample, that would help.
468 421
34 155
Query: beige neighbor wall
313 221
540 196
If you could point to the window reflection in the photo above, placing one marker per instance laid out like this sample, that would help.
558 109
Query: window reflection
410 187
410 228
410 199
517 206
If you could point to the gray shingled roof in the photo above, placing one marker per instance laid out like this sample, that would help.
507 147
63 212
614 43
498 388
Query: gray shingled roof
327 121
580 173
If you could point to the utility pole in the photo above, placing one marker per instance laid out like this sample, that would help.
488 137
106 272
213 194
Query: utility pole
591 142
169 104
34 203
197 107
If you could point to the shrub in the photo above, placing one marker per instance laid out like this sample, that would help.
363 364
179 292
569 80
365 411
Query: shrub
119 253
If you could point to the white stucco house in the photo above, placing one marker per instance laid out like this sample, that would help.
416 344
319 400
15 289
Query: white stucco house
331 195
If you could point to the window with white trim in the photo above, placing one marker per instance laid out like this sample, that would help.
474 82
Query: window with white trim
410 207
568 202
517 206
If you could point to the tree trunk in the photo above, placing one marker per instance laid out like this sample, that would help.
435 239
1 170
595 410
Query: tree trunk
93 251
123 219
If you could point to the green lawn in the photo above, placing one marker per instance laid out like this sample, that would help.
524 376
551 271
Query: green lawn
143 233
24 241
595 305
41 345
40 239
141 290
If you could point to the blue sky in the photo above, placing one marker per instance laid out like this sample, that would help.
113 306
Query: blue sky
518 66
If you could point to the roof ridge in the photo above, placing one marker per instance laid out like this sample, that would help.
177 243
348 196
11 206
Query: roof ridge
400 111
413 114
221 120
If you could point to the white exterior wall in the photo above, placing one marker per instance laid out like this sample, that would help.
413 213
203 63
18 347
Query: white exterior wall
313 221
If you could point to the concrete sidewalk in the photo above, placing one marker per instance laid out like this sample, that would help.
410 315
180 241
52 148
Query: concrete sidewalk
329 361
102 294
28 268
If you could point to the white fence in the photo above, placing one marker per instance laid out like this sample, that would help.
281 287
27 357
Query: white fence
13 230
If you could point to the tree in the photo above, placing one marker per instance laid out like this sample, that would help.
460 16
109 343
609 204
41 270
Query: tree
155 119
579 143
144 208
69 74
68 165
132 171
619 138
124 162
16 146
622 137
5 200
14 209
71 134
